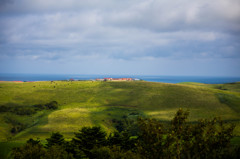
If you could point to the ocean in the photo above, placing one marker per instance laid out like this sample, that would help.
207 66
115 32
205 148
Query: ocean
164 79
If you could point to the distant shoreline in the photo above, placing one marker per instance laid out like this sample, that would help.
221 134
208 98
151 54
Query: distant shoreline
108 81
163 79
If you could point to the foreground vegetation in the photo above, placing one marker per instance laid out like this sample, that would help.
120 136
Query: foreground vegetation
208 139
35 109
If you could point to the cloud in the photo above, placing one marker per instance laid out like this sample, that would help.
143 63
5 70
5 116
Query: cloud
74 30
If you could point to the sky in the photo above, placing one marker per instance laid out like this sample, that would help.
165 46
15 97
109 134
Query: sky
127 37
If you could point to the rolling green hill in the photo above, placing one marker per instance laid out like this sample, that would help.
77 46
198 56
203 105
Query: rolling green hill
87 103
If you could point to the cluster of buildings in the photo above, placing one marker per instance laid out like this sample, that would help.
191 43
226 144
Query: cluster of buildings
117 79
108 79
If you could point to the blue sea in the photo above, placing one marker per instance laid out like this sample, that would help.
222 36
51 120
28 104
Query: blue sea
164 79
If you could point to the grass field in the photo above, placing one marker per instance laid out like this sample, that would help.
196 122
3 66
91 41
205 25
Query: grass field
87 103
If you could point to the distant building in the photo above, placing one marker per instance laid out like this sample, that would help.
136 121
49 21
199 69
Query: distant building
115 79
122 79
99 79
107 79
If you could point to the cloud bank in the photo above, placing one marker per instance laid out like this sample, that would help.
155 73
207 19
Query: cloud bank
135 31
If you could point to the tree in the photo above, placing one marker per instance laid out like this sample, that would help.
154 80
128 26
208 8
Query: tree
31 150
151 139
114 152
205 140
55 139
122 139
89 137
58 152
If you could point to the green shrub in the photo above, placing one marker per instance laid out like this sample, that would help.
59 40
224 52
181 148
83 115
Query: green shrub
57 152
4 108
52 105
39 107
17 126
31 150
28 110
24 110
19 110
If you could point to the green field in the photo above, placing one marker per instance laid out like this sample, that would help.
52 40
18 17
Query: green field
87 103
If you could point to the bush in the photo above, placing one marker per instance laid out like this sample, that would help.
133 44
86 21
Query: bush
100 153
114 152
57 152
24 110
31 150
52 105
19 110
17 126
4 108
28 110
123 140
39 107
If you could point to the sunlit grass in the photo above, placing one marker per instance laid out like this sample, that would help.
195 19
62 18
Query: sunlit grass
88 103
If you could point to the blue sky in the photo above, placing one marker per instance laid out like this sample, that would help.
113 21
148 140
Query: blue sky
127 37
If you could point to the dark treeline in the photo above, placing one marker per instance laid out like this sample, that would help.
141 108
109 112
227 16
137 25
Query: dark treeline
28 110
207 139
14 109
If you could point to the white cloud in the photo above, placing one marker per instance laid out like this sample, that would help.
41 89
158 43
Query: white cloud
121 29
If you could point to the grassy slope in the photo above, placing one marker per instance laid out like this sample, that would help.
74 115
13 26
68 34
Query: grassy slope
89 103
96 103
